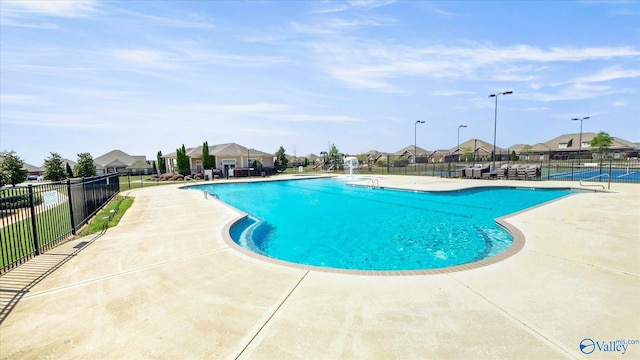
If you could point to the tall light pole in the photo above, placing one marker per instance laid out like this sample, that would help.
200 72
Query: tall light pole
415 143
495 124
580 146
459 126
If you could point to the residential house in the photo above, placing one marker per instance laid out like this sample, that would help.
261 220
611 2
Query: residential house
568 146
525 152
375 155
481 151
411 154
117 161
229 158
33 170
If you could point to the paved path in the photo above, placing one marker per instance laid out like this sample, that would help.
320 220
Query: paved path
164 284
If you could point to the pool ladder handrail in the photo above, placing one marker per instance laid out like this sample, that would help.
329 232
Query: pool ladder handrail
371 184
208 193
595 177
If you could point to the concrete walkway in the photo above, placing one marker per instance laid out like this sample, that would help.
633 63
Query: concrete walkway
164 284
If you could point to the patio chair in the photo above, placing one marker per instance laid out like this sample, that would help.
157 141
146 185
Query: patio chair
502 171
461 173
479 170
533 172
468 171
512 172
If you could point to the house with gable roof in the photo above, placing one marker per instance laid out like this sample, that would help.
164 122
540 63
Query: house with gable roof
230 156
568 146
117 161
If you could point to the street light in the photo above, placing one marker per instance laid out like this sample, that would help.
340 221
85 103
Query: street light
495 124
580 146
415 143
459 126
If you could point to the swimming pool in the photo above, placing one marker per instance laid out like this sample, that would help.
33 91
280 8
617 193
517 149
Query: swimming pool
328 223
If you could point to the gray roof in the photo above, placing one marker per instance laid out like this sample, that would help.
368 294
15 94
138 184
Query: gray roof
411 149
479 144
229 149
572 141
118 158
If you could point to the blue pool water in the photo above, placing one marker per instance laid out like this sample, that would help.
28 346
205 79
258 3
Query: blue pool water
325 222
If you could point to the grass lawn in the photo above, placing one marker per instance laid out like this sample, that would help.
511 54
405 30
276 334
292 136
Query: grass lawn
54 224
109 216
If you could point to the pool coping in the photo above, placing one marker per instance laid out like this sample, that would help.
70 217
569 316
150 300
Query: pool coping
517 245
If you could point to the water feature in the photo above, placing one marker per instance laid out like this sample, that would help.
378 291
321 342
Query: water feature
353 163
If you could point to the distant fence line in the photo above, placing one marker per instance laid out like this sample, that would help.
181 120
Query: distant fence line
37 217
616 170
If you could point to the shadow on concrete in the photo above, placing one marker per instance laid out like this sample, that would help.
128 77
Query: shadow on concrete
20 280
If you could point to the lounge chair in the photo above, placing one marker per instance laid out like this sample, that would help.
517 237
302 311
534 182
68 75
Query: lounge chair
502 171
479 170
512 172
533 172
468 171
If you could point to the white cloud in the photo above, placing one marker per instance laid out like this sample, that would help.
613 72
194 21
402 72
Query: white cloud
145 58
608 74
46 119
18 99
57 8
195 22
450 93
374 66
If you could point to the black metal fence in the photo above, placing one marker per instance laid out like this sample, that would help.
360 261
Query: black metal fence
37 217
614 170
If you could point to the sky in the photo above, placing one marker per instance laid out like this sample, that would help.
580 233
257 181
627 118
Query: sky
147 76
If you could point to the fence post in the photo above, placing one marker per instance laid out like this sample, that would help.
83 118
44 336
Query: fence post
73 222
34 226
610 166
387 163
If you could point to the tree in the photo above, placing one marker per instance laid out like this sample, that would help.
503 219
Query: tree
53 170
69 171
86 167
208 161
162 165
12 169
601 143
513 155
154 167
281 159
182 161
333 150
467 153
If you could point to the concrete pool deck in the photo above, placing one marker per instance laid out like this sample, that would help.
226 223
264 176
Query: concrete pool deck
165 284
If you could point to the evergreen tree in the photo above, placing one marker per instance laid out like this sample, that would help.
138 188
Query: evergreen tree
86 167
162 166
11 169
208 161
183 161
513 155
53 169
281 159
69 171
154 167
